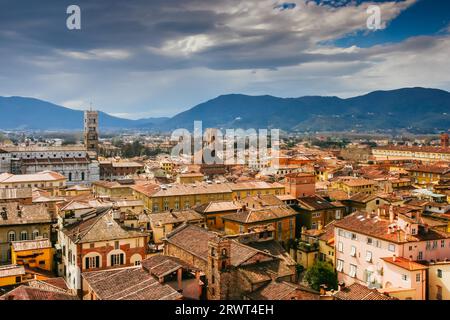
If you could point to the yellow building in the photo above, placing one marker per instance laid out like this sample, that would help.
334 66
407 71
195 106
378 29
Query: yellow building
264 210
36 253
114 189
184 196
352 185
214 210
439 280
326 244
167 166
427 174
47 180
190 177
163 223
11 275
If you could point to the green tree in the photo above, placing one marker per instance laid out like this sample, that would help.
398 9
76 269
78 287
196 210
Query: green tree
321 273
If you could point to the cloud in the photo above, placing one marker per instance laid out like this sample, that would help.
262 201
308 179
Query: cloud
149 58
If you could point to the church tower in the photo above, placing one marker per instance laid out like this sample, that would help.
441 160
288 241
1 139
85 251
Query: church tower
218 273
91 130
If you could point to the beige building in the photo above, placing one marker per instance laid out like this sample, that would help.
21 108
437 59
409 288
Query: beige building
439 280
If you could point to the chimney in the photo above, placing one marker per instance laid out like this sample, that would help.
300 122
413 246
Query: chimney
393 258
341 285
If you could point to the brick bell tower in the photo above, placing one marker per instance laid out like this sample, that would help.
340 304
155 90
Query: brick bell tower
91 130
218 273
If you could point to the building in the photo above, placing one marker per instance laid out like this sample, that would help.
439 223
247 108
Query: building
130 283
176 197
11 275
267 211
163 223
46 180
22 222
370 247
97 240
316 212
50 289
358 292
190 177
427 154
438 280
300 184
122 189
74 162
214 210
91 134
37 253
353 185
118 170
233 269
427 175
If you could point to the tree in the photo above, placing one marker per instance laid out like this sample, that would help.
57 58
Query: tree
321 273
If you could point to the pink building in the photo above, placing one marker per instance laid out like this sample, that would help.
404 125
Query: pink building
380 252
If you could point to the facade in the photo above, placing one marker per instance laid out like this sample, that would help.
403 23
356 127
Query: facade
74 162
370 249
97 241
22 222
438 280
37 253
46 180
300 184
428 154
427 175
11 275
315 212
117 170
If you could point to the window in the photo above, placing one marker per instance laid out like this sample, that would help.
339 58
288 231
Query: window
280 231
352 271
186 204
418 277
35 234
241 229
369 241
354 237
353 251
378 243
338 214
368 256
442 243
340 265
428 245
404 277
166 205
23 235
92 262
11 236
137 263
438 293
155 207
439 273
291 229
116 245
18 279
391 247
177 205
420 256
341 232
117 259
340 246
435 244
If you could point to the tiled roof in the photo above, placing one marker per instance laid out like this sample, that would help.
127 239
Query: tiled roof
314 203
405 263
160 265
261 215
24 292
160 219
357 291
282 290
40 176
218 206
133 283
99 228
13 213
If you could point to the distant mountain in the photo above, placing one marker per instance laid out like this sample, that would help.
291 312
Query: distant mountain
34 114
414 109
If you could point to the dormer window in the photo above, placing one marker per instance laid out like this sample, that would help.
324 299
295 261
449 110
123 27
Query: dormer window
224 252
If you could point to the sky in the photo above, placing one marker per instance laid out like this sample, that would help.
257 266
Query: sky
152 58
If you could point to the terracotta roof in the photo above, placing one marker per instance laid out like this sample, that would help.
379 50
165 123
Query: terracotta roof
160 265
260 215
405 263
132 283
314 203
99 228
13 213
24 292
24 178
357 291
378 228
160 219
218 206
282 290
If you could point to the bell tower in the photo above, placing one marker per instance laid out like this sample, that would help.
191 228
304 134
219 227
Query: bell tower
219 265
91 130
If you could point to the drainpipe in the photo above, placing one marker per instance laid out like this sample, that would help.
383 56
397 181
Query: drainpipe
180 279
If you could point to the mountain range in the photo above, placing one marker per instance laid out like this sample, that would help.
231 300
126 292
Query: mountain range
413 109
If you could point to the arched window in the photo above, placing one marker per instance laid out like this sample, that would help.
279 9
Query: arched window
70 176
11 236
224 252
23 235
35 234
